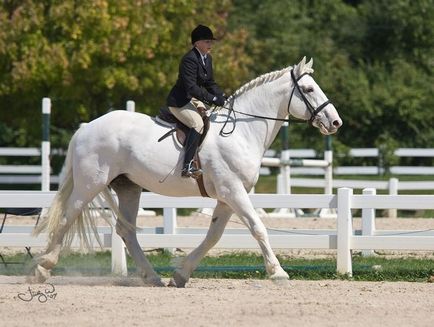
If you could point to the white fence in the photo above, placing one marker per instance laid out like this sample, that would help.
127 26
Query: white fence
24 174
344 239
371 170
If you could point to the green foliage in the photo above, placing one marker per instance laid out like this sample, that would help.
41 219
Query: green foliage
92 56
399 29
374 60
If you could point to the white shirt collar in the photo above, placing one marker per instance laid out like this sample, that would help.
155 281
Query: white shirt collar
203 56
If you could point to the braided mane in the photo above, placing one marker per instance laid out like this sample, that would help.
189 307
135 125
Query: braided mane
265 78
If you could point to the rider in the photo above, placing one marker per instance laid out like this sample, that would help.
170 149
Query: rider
195 85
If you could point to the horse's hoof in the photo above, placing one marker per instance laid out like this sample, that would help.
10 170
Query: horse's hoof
280 278
282 283
172 283
178 280
47 261
40 275
279 275
155 282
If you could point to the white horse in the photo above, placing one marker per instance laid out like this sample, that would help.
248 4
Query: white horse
121 150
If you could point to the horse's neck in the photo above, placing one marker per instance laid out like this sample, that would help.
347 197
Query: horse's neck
265 100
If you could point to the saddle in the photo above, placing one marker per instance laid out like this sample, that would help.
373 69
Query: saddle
180 130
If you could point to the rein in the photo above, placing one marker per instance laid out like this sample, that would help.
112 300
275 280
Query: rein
313 111
262 117
232 110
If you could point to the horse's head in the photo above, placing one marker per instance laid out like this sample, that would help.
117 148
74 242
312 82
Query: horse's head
308 102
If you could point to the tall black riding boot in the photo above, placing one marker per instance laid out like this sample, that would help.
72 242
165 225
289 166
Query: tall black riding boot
191 144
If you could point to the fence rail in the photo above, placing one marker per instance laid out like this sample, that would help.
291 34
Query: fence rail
344 239
361 184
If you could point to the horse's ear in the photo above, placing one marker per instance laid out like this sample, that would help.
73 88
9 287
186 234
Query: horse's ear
298 69
309 65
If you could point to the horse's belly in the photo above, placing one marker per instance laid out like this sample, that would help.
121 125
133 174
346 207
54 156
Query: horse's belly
169 187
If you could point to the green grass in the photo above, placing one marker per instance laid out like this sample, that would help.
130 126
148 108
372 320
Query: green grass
244 265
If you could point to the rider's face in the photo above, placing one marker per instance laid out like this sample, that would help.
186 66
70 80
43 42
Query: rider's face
204 46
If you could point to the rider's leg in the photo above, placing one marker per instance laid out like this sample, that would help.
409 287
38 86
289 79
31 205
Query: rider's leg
191 144
189 116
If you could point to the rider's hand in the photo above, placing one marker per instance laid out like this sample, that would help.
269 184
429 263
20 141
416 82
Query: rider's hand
219 100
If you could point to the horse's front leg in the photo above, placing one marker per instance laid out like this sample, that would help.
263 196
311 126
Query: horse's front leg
220 217
240 202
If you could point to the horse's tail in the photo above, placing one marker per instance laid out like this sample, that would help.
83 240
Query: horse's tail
56 213
85 224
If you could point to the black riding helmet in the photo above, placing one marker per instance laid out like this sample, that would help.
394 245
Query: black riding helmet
201 32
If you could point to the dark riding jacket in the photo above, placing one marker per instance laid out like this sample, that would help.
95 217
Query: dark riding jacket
195 80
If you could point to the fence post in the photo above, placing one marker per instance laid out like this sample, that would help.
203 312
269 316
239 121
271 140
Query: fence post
368 221
119 258
285 187
344 231
381 169
284 184
285 181
284 176
328 171
45 146
393 190
328 179
169 224
131 106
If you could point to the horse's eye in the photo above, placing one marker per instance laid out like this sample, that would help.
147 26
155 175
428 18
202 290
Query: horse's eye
308 89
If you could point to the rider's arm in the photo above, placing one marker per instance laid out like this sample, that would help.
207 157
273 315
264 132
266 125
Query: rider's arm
188 71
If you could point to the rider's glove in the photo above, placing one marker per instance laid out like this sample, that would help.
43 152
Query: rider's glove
219 100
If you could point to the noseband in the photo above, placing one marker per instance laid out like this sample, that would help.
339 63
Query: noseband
313 112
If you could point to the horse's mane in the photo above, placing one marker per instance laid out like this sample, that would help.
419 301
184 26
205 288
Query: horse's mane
265 78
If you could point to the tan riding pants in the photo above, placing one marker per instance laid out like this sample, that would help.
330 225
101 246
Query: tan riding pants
189 116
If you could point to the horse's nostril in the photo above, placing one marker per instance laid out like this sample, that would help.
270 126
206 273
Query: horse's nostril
337 123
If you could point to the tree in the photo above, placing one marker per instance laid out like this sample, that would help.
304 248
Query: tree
91 56
399 29
372 58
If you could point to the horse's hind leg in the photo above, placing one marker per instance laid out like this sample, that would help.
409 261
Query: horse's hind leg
78 199
220 218
129 196
46 262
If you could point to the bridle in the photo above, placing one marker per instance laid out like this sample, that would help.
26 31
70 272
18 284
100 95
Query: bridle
313 111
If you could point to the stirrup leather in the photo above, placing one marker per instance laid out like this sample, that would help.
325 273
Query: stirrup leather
190 170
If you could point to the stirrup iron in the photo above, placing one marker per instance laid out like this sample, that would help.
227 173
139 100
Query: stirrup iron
191 171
